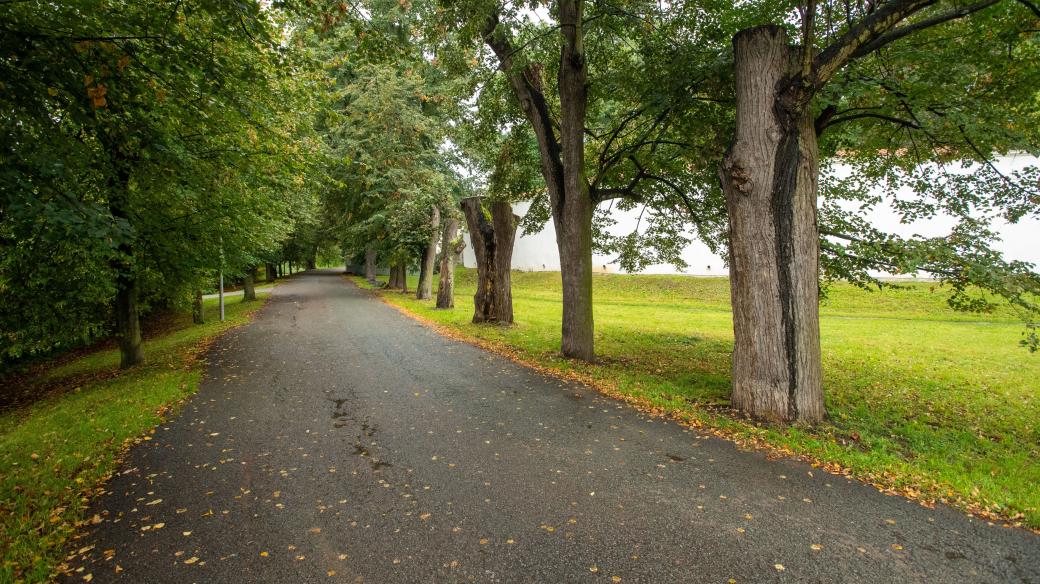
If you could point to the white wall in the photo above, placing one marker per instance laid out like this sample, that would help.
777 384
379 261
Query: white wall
538 252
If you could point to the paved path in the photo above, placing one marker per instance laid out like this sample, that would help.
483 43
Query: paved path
336 440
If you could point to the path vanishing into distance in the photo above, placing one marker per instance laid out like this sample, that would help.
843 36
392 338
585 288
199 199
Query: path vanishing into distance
337 440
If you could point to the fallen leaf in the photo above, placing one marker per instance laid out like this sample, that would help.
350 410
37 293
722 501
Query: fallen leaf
779 567
816 547
191 560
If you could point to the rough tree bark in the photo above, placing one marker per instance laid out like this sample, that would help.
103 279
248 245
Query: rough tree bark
248 285
370 264
451 246
398 277
493 247
424 291
769 176
562 165
197 315
128 325
573 208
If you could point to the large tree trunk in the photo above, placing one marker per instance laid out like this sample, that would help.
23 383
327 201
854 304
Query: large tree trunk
770 177
398 277
248 288
573 212
370 265
493 247
563 164
424 291
197 315
451 246
269 272
128 325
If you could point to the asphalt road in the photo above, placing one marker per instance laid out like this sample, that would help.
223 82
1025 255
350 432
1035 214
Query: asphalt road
335 440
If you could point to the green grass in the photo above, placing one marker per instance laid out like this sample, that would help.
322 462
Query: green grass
921 398
56 452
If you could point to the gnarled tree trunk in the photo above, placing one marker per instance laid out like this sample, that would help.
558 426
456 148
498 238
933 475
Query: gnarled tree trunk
769 176
248 288
128 325
451 246
493 247
425 288
370 264
398 277
197 315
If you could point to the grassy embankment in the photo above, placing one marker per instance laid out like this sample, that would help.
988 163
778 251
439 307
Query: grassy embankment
58 451
923 400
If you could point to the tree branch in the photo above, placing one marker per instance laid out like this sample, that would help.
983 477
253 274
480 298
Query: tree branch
899 33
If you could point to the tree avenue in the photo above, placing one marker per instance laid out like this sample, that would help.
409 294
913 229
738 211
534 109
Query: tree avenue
150 146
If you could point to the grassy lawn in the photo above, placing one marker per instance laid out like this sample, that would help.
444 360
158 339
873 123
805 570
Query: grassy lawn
58 451
923 400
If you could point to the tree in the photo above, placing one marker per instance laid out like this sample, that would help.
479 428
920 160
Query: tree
424 291
451 248
137 133
770 176
492 232
629 112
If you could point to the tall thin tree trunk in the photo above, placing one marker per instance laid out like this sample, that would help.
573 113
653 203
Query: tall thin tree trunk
573 213
197 315
128 325
562 163
770 178
425 288
451 246
269 272
248 288
370 264
493 247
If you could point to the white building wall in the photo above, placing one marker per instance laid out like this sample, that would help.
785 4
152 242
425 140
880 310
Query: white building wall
538 252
